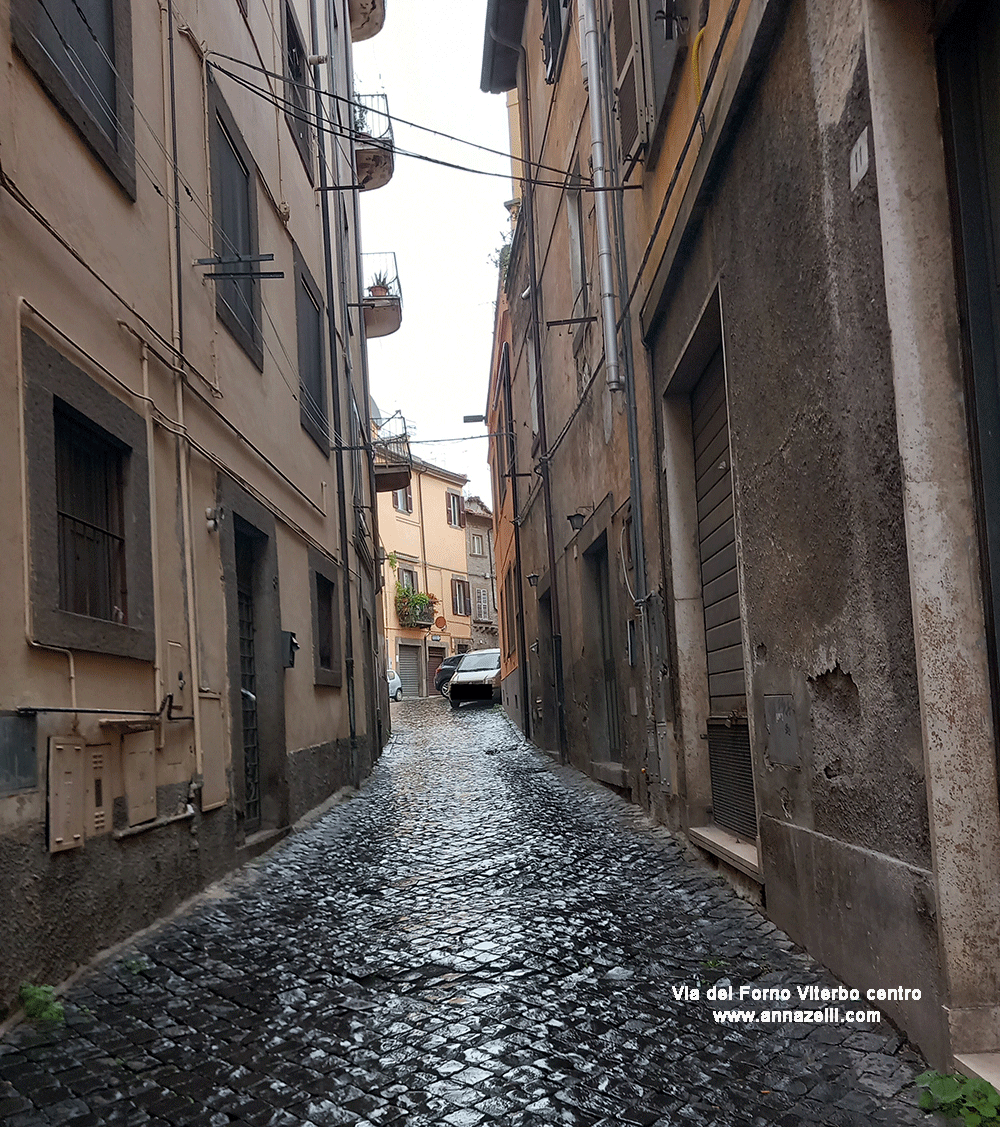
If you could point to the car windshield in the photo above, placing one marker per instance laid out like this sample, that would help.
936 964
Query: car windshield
485 660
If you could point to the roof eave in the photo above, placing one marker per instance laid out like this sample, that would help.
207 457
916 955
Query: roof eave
501 46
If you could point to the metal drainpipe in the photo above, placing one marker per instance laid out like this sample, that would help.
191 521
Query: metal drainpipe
592 72
518 570
338 431
638 524
529 208
184 460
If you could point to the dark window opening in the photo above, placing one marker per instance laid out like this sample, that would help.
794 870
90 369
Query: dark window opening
553 15
234 224
91 527
296 93
312 373
325 648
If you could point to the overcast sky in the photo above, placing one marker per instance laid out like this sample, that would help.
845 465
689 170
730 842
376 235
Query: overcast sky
444 226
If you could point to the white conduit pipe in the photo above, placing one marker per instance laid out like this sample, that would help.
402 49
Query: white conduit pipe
592 62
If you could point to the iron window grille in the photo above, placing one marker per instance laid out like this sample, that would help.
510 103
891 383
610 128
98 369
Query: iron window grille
91 524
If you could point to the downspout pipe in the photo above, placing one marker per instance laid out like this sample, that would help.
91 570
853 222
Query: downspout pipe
592 71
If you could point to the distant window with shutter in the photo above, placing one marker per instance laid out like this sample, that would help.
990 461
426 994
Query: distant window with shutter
477 544
455 507
482 604
407 578
461 600
629 81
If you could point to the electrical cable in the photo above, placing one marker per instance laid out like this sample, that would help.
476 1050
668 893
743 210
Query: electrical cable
296 112
393 118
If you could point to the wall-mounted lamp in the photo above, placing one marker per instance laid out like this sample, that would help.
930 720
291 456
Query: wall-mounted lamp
577 520
532 580
473 418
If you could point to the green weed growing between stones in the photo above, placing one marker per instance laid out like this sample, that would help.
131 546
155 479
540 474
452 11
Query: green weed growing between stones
975 1102
40 1005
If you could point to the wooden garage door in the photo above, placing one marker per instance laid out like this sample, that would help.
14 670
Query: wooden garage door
409 670
717 542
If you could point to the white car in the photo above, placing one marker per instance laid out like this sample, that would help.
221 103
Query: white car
477 678
395 685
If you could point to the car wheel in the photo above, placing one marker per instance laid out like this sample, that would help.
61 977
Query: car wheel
399 695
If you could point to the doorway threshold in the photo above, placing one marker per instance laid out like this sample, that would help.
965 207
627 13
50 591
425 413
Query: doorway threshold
735 851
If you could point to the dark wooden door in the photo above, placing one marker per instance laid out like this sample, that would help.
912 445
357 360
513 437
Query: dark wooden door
969 68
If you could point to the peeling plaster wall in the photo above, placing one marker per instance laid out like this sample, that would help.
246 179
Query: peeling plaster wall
796 252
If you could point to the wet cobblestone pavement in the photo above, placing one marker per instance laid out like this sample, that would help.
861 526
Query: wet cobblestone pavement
477 938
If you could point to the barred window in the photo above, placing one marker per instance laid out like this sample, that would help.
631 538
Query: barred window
89 504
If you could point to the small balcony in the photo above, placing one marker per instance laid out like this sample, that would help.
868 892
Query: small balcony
374 150
367 18
393 461
415 610
382 299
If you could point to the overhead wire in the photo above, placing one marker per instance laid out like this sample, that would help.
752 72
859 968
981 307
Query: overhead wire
398 120
295 111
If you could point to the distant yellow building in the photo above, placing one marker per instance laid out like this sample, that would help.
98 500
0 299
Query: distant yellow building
422 529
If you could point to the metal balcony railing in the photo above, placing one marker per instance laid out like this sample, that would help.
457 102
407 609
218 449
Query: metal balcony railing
374 149
382 295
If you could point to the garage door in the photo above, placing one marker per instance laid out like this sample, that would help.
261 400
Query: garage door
435 655
409 670
730 763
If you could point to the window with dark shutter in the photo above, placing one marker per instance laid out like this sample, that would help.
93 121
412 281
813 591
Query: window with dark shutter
312 372
81 51
234 221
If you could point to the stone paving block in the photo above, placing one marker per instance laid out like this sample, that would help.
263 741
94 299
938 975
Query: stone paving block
480 938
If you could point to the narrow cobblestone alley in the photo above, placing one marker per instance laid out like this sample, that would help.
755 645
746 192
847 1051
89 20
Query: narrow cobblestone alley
478 937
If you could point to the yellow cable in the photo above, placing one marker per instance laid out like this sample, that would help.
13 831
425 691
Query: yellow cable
696 65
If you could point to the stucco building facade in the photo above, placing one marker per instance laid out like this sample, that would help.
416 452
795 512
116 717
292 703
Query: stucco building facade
191 635
794 278
423 531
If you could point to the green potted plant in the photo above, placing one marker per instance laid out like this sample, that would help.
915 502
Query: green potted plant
379 286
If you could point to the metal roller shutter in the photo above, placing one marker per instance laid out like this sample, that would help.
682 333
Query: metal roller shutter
717 542
409 670
730 764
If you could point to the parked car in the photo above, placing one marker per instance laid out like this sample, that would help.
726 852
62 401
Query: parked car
445 671
477 678
395 685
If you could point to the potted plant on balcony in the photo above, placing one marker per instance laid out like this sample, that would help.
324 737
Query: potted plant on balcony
414 608
379 286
